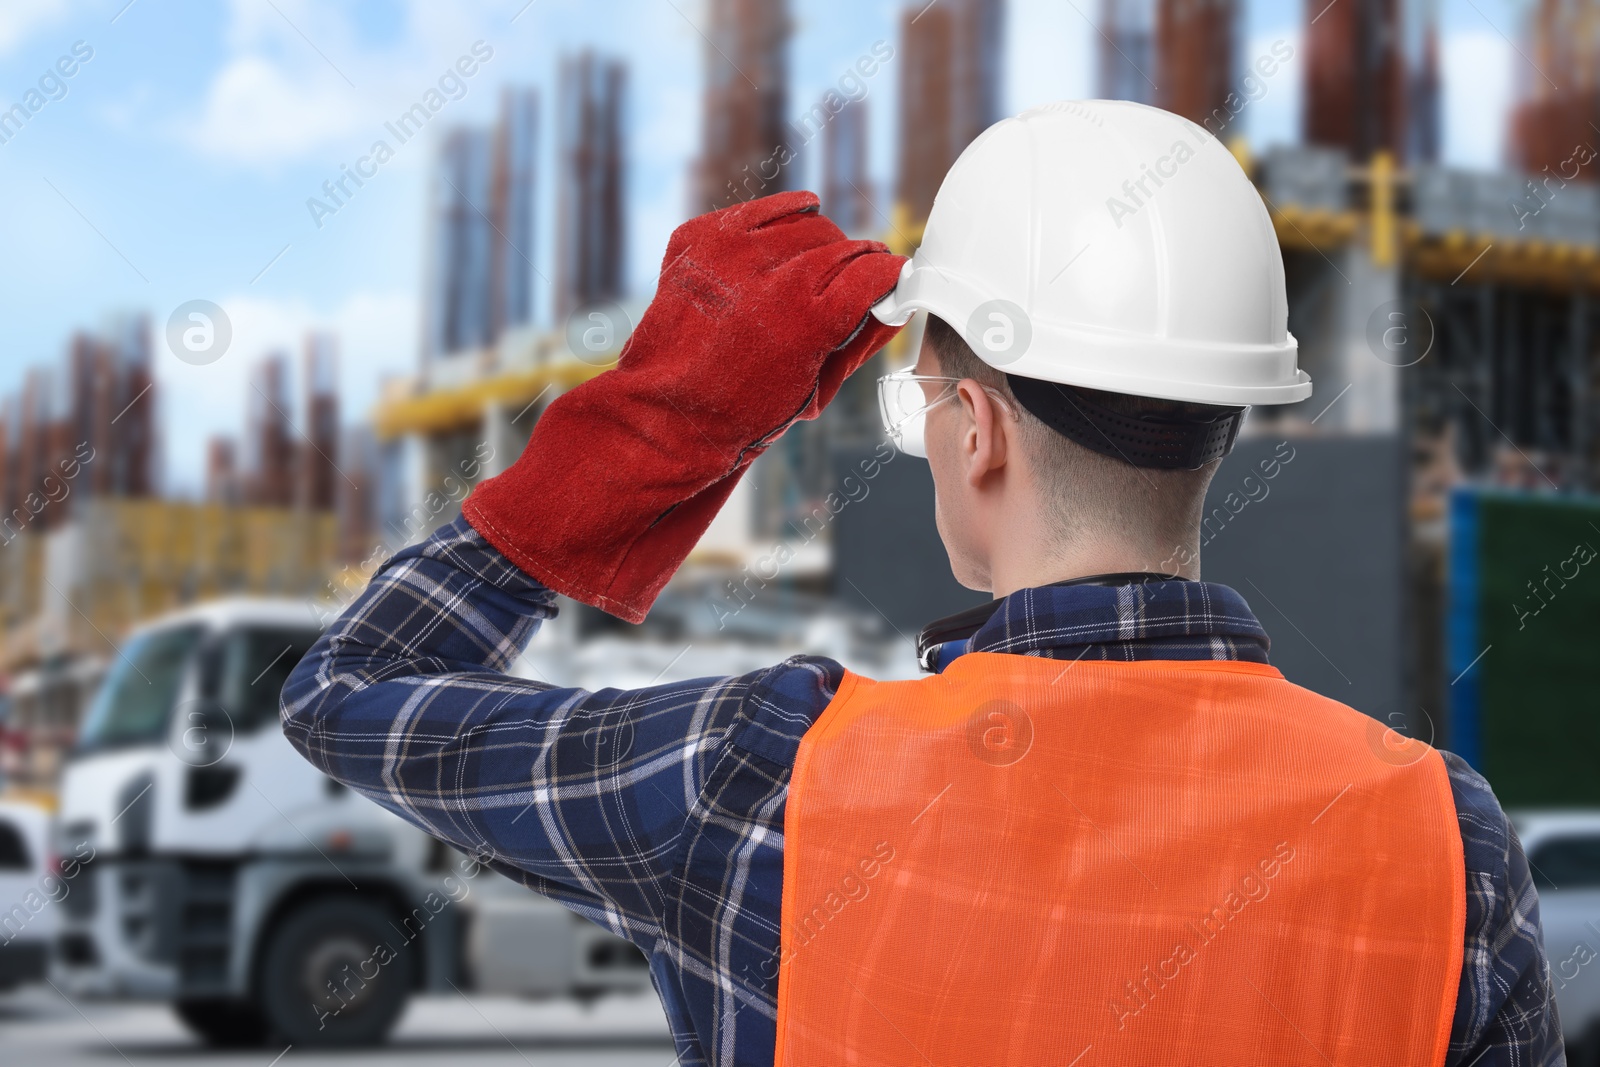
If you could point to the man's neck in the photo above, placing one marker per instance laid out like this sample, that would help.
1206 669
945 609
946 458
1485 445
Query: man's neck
1007 575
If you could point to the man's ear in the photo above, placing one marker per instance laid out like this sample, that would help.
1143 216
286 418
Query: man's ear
984 433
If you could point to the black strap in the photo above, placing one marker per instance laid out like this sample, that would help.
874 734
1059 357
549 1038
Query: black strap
963 624
957 627
1163 442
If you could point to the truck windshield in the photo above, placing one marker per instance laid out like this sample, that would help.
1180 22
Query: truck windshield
136 699
245 671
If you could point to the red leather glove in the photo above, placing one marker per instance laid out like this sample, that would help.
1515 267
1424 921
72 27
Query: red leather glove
761 313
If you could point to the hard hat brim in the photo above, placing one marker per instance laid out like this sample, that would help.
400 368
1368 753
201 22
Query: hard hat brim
1164 368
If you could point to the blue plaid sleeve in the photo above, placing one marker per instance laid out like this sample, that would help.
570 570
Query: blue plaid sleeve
406 700
1505 1009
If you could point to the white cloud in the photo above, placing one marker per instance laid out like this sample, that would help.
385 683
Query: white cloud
258 112
20 19
1477 98
377 339
299 79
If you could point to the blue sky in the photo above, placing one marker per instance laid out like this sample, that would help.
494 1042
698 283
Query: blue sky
179 162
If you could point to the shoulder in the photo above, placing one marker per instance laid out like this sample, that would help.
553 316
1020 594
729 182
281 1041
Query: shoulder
1486 834
1499 886
782 703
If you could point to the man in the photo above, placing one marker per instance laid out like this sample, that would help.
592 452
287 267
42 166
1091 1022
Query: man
1103 829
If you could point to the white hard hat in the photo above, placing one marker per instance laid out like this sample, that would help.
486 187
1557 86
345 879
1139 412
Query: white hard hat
1113 246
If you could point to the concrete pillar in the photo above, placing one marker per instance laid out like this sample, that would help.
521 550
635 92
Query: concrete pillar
498 434
1372 405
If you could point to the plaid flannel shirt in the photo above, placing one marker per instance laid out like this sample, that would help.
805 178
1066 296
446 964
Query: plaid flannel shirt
658 813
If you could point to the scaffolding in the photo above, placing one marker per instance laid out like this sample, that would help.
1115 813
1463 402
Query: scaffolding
269 448
591 163
927 127
949 93
86 426
481 207
846 188
743 126
316 486
1197 48
1127 51
1372 79
1500 307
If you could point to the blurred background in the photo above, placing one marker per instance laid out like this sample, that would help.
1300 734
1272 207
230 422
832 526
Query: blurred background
281 281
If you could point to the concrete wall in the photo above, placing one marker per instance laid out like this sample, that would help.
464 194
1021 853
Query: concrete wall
1318 551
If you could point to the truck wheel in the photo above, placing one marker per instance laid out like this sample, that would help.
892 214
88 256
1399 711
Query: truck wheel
331 975
223 1023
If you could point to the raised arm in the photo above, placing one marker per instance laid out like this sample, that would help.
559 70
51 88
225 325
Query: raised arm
762 311
405 699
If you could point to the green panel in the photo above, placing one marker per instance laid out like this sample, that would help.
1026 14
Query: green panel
1541 674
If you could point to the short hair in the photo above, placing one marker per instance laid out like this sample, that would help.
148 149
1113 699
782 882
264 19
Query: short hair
1088 491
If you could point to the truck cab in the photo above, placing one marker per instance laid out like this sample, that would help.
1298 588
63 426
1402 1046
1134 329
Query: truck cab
216 869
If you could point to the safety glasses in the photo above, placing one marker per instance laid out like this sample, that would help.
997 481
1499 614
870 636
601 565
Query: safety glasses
905 398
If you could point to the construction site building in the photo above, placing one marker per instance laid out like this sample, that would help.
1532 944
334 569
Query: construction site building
975 77
1197 52
591 164
516 156
72 593
110 379
1424 81
744 105
1372 68
1126 51
316 484
468 411
357 494
96 411
1372 78
927 131
1558 90
89 550
223 484
480 256
846 186
270 445
950 92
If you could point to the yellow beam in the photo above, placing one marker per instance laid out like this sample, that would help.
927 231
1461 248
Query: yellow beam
1382 233
1317 229
1463 256
1481 258
1240 148
441 410
905 232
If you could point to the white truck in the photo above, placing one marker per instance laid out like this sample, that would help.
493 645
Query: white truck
261 898
1563 850
31 889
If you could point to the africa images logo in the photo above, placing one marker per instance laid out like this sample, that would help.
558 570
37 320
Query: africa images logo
999 732
199 332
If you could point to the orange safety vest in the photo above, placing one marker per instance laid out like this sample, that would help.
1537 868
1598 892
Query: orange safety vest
1021 861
